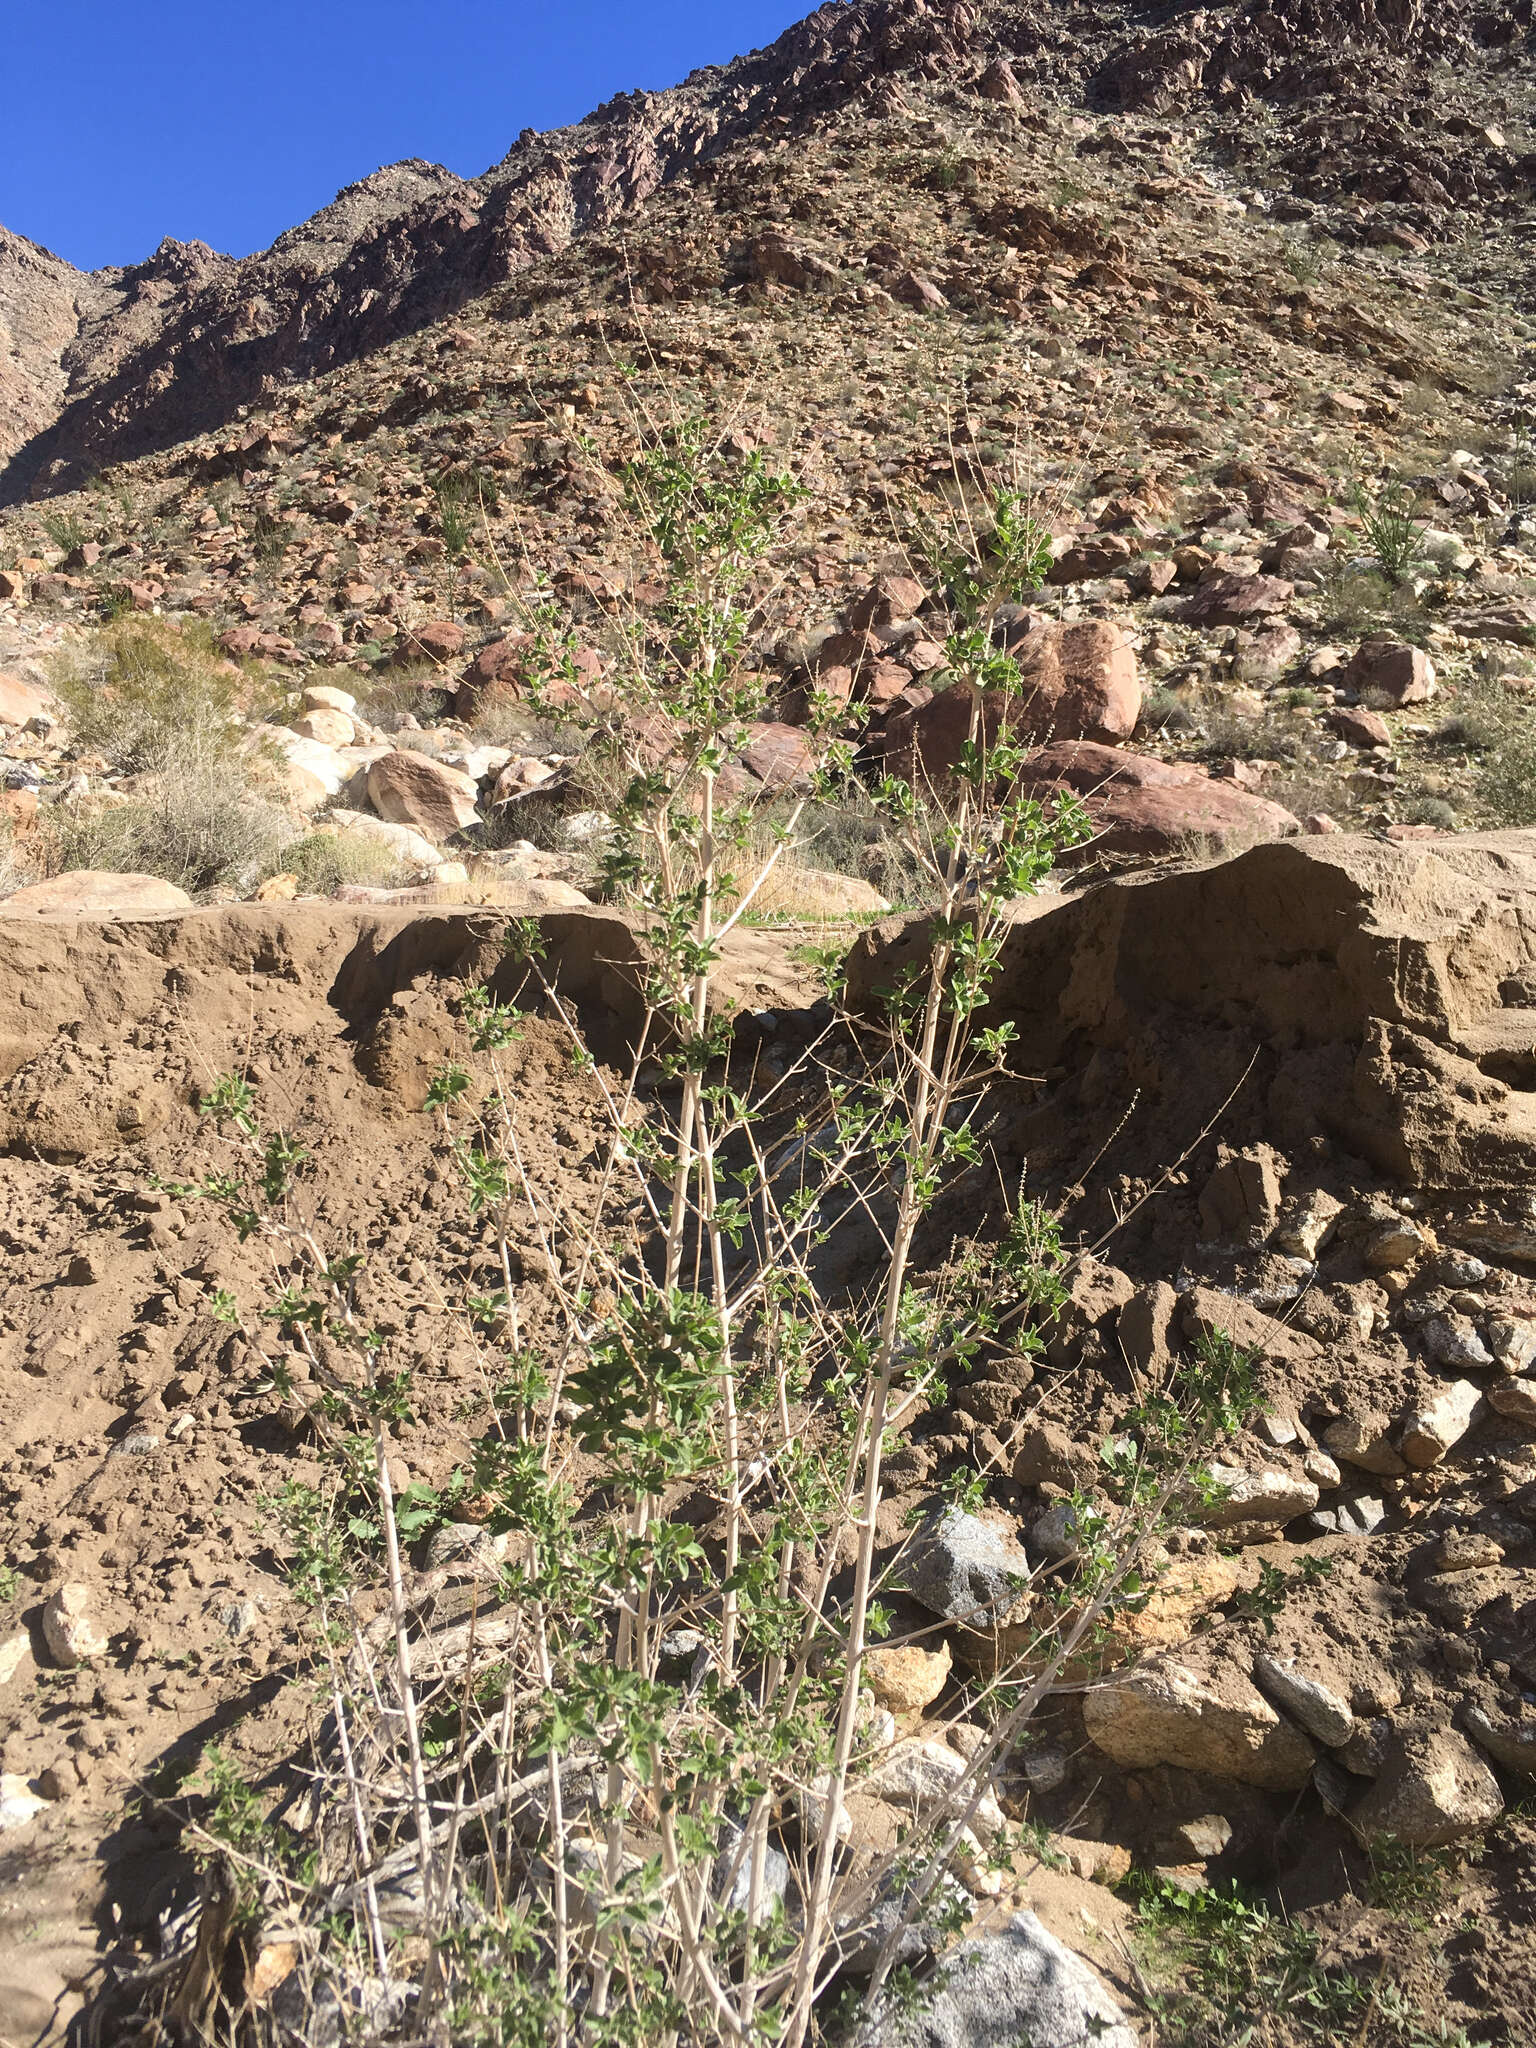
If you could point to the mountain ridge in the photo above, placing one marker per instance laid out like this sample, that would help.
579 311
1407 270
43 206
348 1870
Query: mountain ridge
110 365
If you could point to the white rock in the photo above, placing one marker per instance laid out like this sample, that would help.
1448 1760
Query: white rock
1267 1498
927 1777
18 1802
410 848
13 1652
999 1990
321 697
70 1630
1429 1432
328 728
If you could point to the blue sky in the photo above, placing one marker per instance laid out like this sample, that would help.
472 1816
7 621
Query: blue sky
226 123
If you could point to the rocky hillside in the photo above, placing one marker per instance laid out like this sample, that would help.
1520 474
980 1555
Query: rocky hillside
323 598
110 366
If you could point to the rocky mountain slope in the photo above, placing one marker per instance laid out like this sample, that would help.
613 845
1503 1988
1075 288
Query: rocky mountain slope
112 365
1239 298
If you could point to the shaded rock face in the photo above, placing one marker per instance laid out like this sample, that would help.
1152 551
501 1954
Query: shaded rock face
1386 991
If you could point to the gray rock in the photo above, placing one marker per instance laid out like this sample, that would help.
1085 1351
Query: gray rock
1433 1789
1316 1706
1513 1745
1512 1340
1451 1341
1360 1516
1001 1990
965 1567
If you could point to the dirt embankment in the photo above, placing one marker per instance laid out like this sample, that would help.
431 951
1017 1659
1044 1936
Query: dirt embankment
1288 1095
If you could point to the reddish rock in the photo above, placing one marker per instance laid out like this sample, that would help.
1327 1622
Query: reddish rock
781 757
499 669
1145 807
436 640
1085 561
1223 599
886 603
18 808
12 584
1080 682
1392 669
997 82
20 701
1153 578
1359 728
412 789
48 589
913 289
243 643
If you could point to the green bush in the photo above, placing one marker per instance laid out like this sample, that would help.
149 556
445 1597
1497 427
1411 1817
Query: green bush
142 690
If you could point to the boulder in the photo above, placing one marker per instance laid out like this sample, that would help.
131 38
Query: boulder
1359 728
1433 1789
1515 1400
436 640
413 789
1215 1722
781 757
89 892
327 728
20 701
1391 669
1080 682
1017 1984
409 847
70 1629
1144 807
1222 598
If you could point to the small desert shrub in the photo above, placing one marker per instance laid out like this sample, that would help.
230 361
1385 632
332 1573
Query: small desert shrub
66 530
1430 810
322 862
856 836
1501 728
416 690
1165 710
142 690
198 822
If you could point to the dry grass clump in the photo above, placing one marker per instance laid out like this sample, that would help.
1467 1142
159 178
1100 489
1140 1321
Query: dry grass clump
162 706
196 820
